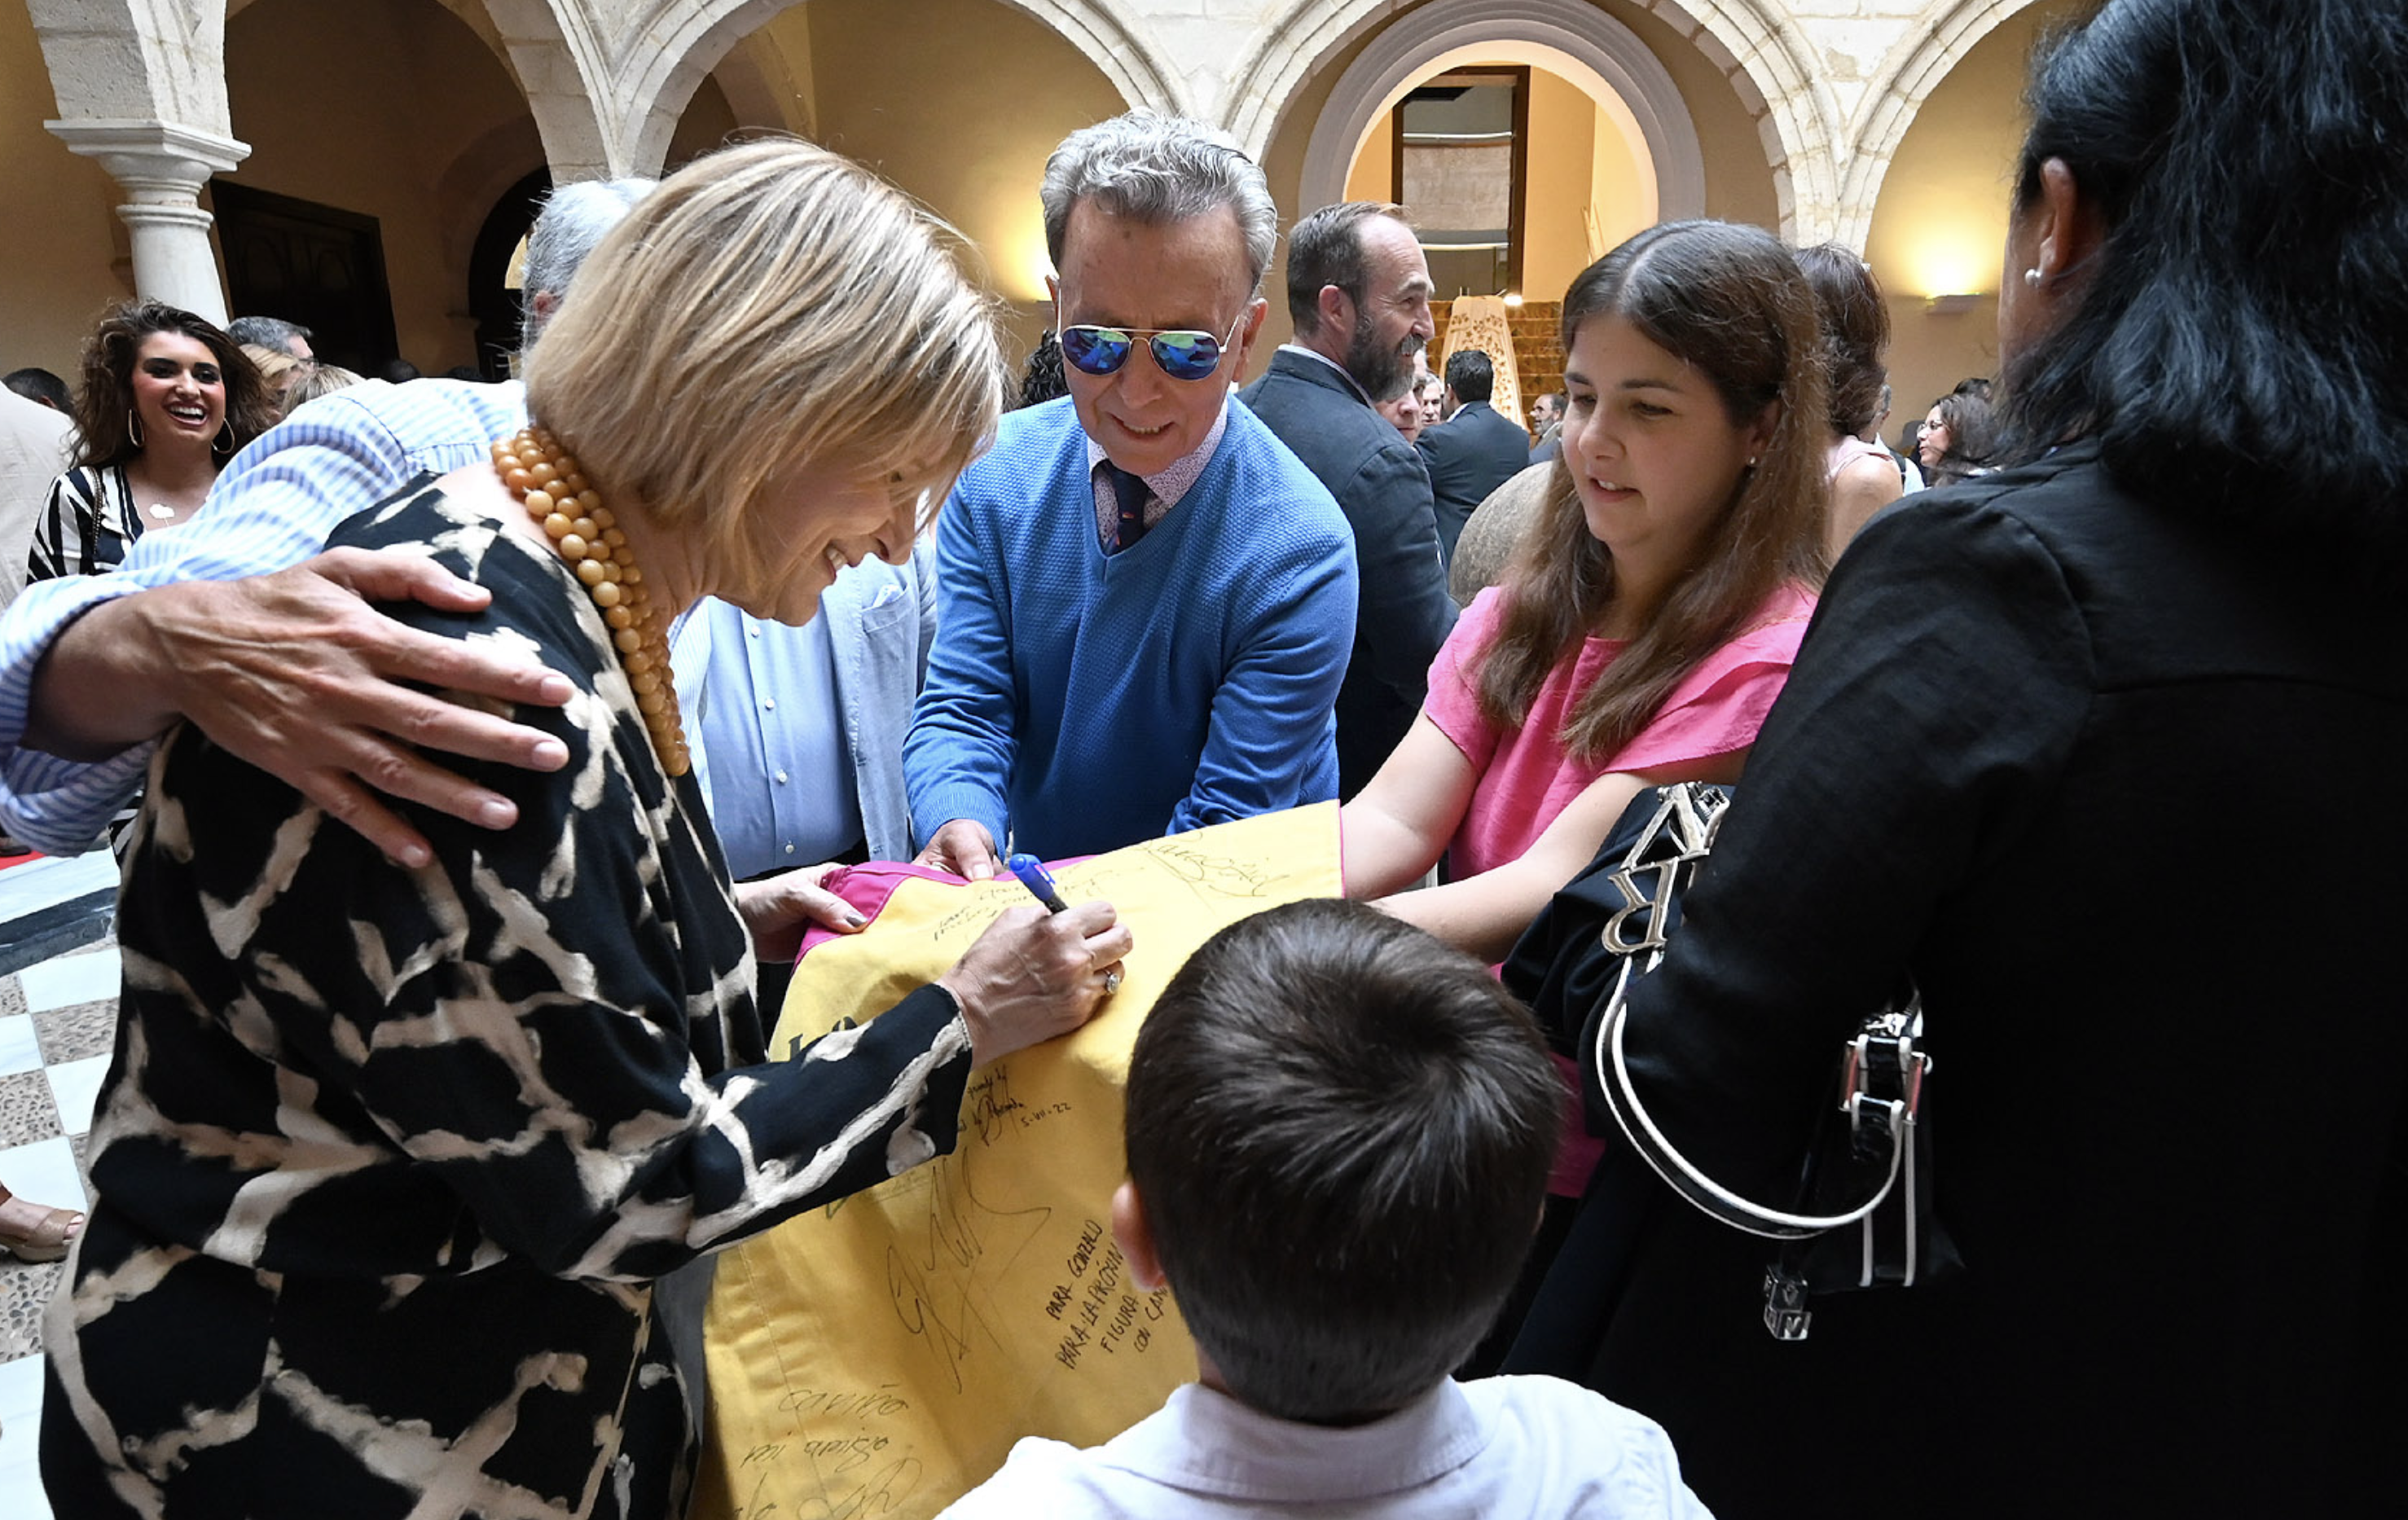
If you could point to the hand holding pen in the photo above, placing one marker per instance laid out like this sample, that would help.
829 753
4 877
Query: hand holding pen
1040 882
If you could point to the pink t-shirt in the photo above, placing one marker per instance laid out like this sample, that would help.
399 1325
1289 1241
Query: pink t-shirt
1526 778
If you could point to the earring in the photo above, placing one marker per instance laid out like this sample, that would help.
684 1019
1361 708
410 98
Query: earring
2032 278
133 427
222 444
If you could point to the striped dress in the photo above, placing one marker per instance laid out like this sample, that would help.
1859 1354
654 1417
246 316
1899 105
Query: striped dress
86 525
387 1161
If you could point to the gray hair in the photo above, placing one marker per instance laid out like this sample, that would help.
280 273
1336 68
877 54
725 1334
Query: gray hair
575 218
1158 169
267 332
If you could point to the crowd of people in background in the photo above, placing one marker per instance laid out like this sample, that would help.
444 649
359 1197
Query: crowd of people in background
719 599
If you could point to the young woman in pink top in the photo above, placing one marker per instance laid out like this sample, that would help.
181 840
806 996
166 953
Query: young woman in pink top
1649 618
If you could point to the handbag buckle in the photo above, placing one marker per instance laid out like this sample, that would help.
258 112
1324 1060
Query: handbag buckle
1881 1084
1883 1056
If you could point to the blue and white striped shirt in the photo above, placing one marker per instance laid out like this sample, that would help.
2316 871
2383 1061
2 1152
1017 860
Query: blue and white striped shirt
271 507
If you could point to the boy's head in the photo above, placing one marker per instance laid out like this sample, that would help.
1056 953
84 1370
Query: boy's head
1340 1132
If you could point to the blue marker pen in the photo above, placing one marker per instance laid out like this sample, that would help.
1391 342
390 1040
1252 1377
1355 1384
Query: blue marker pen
1039 881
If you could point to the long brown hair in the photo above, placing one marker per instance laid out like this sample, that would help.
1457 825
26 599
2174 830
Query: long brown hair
1855 322
1728 300
104 398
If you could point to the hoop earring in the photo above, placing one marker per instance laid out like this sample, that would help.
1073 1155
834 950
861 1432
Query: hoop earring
222 444
133 427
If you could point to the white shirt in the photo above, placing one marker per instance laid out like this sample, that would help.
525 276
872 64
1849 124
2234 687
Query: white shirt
1498 1446
33 450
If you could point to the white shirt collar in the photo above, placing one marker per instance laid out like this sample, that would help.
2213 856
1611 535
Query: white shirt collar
1209 1442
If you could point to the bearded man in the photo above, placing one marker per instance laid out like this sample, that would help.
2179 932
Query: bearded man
1360 291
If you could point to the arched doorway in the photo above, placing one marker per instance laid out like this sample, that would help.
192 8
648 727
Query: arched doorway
493 265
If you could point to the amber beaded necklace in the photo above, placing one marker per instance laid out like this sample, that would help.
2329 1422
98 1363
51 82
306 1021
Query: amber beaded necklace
546 478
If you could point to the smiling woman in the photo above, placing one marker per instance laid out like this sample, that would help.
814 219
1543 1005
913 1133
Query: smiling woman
1648 618
166 399
393 1155
1650 615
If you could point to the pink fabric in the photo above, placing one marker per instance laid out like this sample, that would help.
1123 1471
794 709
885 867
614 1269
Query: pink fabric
1526 778
1848 451
865 888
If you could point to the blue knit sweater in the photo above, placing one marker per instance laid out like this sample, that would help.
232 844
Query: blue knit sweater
1086 701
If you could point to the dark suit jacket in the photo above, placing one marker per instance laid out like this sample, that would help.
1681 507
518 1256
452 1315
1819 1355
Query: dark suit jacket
1469 454
1403 612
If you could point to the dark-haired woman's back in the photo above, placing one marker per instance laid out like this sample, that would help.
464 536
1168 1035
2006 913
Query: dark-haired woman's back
2121 836
2094 751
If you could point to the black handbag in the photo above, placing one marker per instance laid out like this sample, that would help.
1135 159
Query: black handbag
1862 1214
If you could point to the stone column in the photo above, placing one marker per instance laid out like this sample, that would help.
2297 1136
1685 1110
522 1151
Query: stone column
163 166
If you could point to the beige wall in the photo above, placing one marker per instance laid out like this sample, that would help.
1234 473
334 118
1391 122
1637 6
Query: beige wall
1373 175
63 254
370 107
1942 219
963 119
1558 178
1615 190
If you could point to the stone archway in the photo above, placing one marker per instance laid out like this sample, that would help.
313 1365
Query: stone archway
562 65
1605 60
1774 66
636 73
1754 45
133 60
1899 87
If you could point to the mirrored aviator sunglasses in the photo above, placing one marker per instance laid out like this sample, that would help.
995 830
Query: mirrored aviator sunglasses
1182 353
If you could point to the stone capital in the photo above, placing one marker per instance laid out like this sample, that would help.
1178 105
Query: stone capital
159 162
163 166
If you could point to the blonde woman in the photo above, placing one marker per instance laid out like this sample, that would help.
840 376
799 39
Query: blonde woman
390 1156
317 380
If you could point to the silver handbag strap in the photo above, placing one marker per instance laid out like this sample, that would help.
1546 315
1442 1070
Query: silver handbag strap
1895 1116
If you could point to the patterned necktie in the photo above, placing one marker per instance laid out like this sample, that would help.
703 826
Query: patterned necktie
1130 491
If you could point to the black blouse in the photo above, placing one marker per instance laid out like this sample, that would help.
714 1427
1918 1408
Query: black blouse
2113 787
386 1159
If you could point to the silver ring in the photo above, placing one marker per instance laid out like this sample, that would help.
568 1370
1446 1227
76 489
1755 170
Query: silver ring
1112 981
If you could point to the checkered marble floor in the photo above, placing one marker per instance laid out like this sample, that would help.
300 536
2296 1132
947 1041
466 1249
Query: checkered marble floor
58 1019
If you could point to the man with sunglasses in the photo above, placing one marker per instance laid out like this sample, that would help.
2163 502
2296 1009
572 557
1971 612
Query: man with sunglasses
1145 602
1359 292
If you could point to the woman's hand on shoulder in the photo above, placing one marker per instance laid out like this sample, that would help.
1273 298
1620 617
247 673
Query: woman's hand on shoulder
1034 975
299 674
